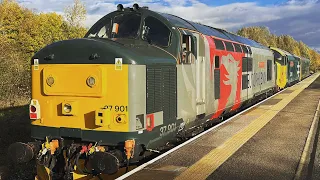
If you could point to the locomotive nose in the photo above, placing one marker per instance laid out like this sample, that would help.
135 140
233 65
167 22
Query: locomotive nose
82 51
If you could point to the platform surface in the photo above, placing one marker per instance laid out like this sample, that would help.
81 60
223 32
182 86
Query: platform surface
265 142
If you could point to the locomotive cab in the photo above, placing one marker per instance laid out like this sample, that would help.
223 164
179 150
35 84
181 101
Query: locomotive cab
138 25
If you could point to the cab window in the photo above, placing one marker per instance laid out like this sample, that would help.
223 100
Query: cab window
126 25
155 32
279 58
188 49
102 30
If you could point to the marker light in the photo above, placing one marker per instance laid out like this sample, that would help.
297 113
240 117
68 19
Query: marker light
33 108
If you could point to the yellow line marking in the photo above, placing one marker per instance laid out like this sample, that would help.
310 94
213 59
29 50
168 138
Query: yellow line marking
171 168
280 96
215 158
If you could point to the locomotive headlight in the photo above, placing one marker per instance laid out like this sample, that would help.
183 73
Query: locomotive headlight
91 81
50 81
67 108
70 108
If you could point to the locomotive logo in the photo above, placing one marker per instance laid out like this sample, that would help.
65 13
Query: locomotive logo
230 84
231 66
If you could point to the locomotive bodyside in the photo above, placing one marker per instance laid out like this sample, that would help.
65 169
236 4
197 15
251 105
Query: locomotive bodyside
202 76
263 79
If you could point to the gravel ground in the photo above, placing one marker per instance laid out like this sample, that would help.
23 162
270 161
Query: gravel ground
14 127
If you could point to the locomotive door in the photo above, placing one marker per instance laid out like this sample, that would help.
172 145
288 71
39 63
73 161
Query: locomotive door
247 69
245 78
193 50
200 73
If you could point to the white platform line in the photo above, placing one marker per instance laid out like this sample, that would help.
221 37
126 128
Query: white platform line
194 138
304 160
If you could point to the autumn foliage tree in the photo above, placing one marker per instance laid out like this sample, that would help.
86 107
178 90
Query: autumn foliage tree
23 32
75 16
285 42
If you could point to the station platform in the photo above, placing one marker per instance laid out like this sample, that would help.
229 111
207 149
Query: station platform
277 139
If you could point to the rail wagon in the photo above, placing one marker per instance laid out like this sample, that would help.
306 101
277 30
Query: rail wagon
136 82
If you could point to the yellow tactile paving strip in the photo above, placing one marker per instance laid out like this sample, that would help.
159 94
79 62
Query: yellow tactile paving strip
215 158
280 96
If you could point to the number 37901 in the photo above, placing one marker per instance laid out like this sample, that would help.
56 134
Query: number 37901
117 108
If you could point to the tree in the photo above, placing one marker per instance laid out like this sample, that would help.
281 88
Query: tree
76 14
314 60
289 43
272 40
23 33
296 51
11 17
260 34
304 50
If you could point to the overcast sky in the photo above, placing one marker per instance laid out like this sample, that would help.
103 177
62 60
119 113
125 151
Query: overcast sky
298 18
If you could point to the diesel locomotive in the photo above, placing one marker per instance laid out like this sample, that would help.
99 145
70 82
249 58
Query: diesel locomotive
136 82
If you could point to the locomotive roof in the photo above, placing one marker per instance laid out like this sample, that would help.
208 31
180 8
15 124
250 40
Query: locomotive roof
283 52
204 29
278 50
208 30
287 53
